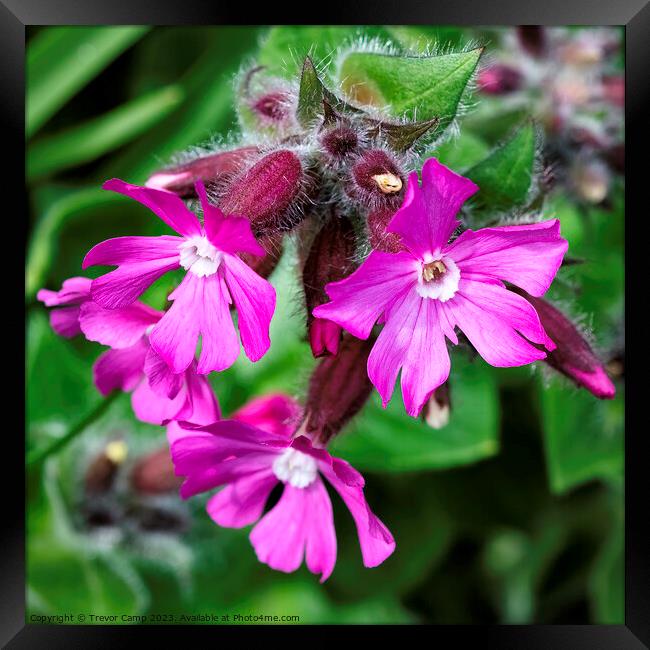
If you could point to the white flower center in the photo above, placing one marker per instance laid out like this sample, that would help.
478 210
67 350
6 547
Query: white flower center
438 279
295 468
199 256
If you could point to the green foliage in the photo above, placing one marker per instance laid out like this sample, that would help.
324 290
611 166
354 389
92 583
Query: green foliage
62 60
414 87
391 441
506 176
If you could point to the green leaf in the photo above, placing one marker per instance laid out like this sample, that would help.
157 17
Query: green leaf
583 436
401 137
415 87
94 138
506 176
391 441
62 60
311 94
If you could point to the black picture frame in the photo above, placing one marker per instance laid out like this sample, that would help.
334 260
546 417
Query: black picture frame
15 15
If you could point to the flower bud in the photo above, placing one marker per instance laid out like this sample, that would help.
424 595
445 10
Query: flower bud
331 258
437 409
532 39
102 471
339 142
181 179
377 180
380 240
265 191
338 389
499 79
272 107
573 356
154 473
264 266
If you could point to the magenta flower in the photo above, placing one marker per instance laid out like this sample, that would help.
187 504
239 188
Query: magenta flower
423 292
250 461
216 277
159 395
65 319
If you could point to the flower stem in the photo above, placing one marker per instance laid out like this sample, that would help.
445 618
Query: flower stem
39 455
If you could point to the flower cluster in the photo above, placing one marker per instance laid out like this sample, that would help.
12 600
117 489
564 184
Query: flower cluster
391 276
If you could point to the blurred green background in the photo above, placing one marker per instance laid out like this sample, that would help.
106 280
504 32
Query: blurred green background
512 513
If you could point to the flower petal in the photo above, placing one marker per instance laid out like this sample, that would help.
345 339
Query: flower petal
65 321
320 551
120 369
175 336
73 291
359 300
427 217
276 414
390 349
242 502
375 539
528 256
163 204
124 285
160 378
254 299
149 406
229 234
219 344
117 328
279 538
496 321
131 250
202 406
426 365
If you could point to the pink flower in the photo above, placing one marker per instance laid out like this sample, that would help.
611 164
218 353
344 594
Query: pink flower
216 277
424 291
73 292
159 395
250 461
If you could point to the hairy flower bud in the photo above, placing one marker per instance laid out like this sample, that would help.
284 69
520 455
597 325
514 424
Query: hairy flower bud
272 107
339 142
377 180
380 240
264 266
573 356
181 179
338 389
437 409
499 79
265 192
154 473
330 258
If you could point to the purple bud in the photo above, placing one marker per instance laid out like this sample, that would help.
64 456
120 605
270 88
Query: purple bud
437 409
380 240
330 258
265 191
272 107
573 356
339 142
338 389
181 179
377 180
154 473
499 79
532 39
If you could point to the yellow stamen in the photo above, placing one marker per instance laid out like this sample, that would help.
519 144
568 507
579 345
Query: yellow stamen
433 270
388 183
